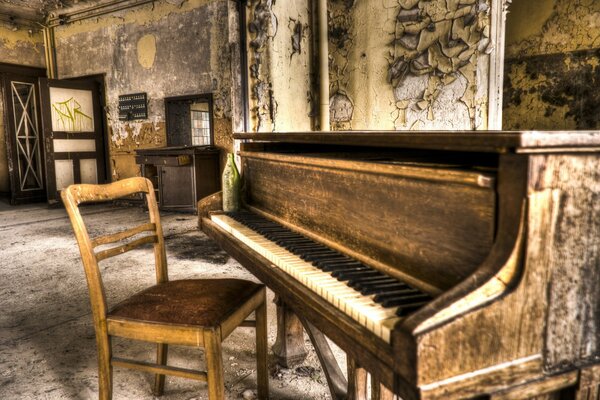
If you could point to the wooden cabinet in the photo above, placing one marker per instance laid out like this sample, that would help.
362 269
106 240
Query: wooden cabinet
181 175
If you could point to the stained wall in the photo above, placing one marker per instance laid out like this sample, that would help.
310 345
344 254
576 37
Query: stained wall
163 50
552 66
393 64
23 48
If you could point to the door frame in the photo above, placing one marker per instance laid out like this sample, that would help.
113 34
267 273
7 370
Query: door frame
49 135
100 80
14 72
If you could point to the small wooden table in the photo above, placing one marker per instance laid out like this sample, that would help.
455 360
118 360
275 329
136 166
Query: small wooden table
181 175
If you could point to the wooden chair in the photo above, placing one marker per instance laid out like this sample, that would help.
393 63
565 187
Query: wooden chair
192 312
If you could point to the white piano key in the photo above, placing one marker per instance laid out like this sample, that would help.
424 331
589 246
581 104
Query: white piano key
361 308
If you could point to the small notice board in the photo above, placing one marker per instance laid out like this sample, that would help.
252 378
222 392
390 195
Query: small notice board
133 106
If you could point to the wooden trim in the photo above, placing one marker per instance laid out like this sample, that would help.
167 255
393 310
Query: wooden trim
75 156
237 318
456 176
159 369
123 235
16 69
496 63
71 135
498 377
101 255
546 385
154 332
483 141
501 270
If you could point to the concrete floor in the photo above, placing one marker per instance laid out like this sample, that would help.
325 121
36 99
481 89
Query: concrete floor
47 347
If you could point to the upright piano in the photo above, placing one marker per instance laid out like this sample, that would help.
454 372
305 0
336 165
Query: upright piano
449 265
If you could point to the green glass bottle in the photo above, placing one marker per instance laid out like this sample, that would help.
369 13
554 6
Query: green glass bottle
232 185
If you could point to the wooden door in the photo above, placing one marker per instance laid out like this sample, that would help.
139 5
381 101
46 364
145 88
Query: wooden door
24 138
73 134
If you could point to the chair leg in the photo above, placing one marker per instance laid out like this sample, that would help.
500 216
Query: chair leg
104 367
161 359
214 364
262 375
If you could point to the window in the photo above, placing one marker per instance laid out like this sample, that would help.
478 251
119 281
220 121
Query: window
200 124
189 120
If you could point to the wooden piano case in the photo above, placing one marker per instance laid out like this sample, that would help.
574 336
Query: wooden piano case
501 227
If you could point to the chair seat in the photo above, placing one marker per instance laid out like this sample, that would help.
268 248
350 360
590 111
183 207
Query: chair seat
189 302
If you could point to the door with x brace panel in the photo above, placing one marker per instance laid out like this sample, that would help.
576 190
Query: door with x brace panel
24 139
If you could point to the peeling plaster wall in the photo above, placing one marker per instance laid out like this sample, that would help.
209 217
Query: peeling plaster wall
162 49
22 48
393 64
419 65
279 49
553 65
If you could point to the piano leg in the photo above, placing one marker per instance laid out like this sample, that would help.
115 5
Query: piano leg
380 392
357 381
289 345
589 383
338 385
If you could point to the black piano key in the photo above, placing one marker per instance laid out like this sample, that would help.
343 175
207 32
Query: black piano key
388 291
378 298
345 276
340 267
300 240
408 309
318 255
406 300
340 270
309 245
323 262
380 289
338 263
359 283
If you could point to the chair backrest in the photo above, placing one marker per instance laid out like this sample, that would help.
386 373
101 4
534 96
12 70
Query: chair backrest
150 232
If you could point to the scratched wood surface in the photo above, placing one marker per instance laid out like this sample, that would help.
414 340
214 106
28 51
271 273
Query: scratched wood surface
434 225
573 235
504 257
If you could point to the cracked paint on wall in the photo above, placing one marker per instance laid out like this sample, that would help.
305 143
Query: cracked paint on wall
409 64
552 73
393 64
279 65
262 27
22 47
342 40
571 25
438 49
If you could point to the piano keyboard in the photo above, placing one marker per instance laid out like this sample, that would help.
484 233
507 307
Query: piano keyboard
373 299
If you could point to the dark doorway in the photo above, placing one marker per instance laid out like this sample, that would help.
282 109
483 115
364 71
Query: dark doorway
22 161
189 120
74 136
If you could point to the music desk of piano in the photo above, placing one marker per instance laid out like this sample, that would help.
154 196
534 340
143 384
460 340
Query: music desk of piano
449 265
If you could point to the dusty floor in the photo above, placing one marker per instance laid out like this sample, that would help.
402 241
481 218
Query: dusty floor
47 348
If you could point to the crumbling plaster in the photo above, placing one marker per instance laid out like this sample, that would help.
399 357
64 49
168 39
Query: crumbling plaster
393 64
22 47
161 49
551 72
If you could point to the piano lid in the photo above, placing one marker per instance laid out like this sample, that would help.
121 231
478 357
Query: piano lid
484 141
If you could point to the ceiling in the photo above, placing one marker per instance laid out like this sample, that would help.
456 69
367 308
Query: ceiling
32 12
